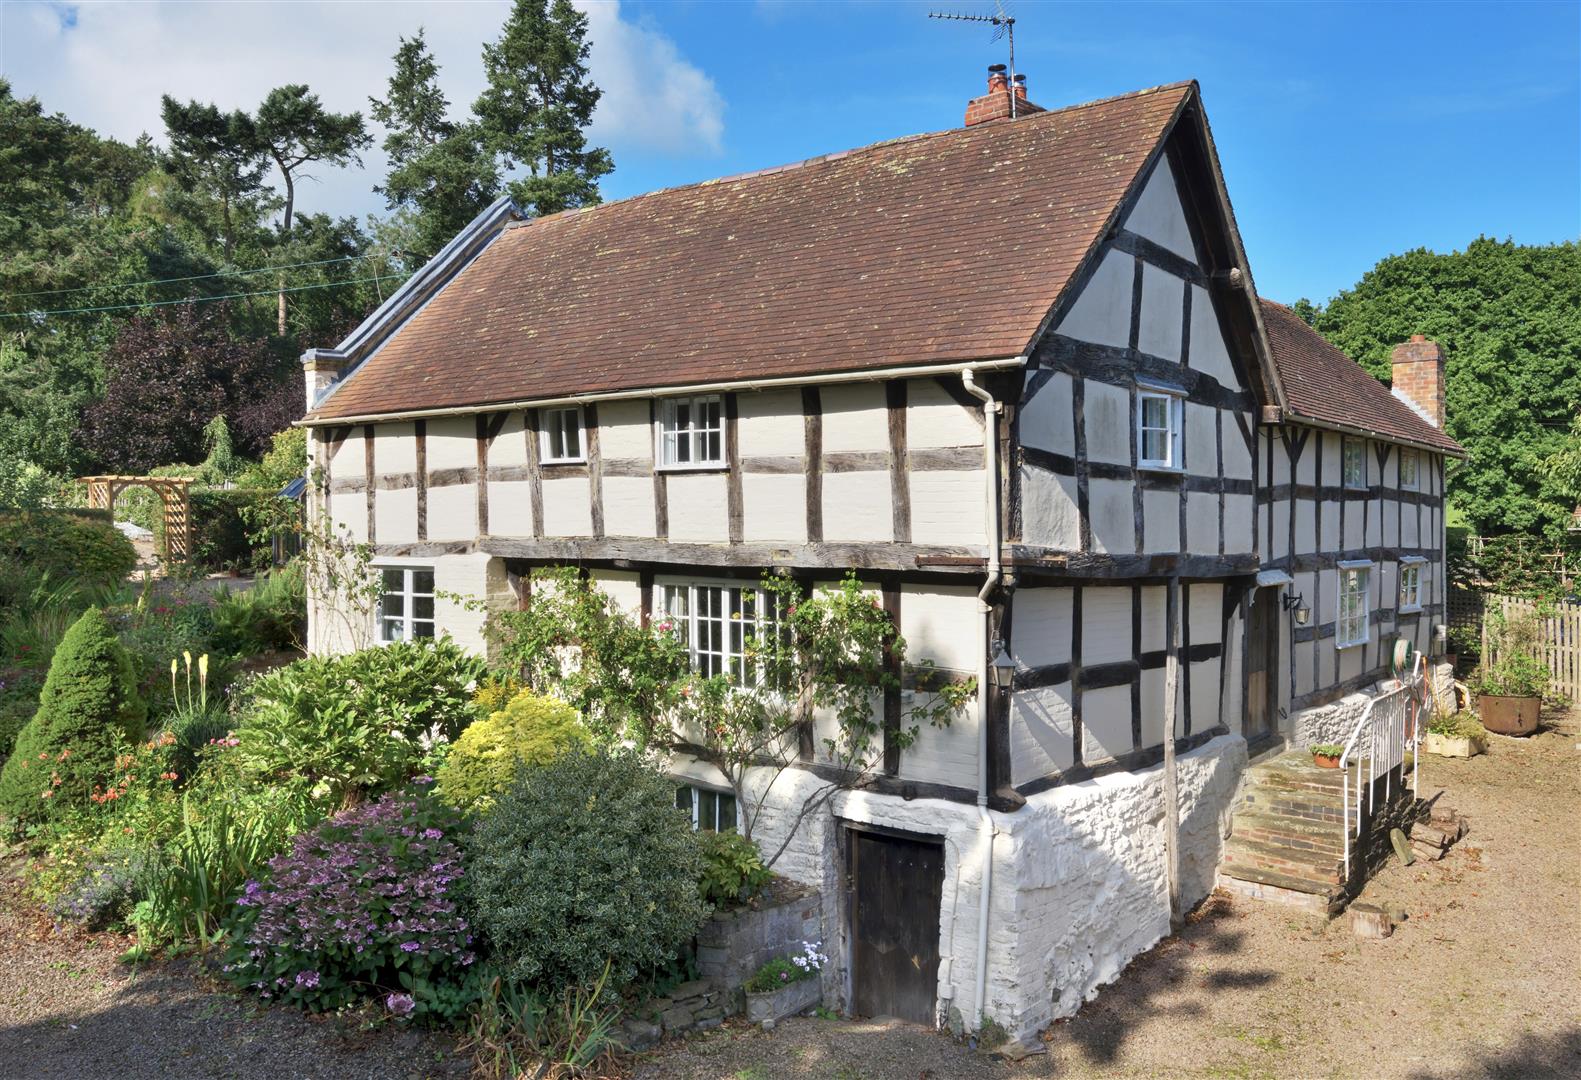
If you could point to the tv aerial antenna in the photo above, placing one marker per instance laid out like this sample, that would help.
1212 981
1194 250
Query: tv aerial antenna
1004 25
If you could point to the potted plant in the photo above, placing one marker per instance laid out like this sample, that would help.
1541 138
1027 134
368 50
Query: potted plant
785 986
1509 690
1456 735
1326 755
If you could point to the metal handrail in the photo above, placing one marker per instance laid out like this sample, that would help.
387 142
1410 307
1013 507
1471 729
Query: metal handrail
1383 741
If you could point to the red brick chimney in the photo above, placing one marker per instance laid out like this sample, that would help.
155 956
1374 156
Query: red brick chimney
995 105
1418 377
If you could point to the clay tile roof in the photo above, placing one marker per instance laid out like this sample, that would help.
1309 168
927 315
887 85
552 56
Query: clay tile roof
937 248
1322 384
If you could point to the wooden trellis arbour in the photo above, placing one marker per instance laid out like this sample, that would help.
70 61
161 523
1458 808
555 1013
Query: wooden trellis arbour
173 493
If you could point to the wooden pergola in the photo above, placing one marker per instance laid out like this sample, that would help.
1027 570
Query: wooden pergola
173 493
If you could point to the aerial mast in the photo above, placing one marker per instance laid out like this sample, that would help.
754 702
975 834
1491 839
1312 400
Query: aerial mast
1004 25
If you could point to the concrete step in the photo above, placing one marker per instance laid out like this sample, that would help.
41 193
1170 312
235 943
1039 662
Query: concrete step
1270 885
1313 866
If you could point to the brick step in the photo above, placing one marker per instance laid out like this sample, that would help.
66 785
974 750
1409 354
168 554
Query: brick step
1329 896
1294 804
1307 778
1296 862
1327 838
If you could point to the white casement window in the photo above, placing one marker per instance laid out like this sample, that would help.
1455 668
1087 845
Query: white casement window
1157 430
1355 607
718 624
1353 463
1408 470
691 433
562 436
406 606
1411 572
710 810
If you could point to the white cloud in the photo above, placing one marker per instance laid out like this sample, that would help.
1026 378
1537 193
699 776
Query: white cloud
105 65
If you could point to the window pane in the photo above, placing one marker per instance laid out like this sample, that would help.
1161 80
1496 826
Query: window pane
1155 445
1155 412
394 630
394 604
727 813
394 580
573 432
422 581
422 629
707 809
422 607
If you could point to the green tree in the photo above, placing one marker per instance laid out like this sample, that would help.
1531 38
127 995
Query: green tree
438 169
219 156
88 712
296 130
538 104
1509 318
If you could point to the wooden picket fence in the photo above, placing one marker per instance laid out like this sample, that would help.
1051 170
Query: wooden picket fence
1559 639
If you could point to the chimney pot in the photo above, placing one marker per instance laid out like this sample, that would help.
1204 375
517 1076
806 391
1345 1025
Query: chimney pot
997 83
1418 337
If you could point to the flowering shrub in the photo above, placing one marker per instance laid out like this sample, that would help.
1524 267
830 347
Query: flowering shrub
784 970
362 907
530 729
103 895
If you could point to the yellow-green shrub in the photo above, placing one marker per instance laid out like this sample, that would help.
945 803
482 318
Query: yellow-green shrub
532 729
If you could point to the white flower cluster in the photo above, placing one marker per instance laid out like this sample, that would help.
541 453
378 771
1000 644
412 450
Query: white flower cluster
810 959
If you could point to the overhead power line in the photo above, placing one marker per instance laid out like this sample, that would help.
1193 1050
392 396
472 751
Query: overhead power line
197 299
195 277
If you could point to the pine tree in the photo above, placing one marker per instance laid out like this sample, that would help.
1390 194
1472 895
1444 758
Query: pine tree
537 106
218 155
88 711
438 169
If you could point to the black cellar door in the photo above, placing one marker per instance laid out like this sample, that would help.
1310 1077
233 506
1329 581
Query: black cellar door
896 884
1262 663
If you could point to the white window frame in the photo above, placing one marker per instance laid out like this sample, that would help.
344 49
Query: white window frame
407 620
1353 627
1345 445
1415 458
1174 410
686 448
694 804
1414 567
553 425
699 612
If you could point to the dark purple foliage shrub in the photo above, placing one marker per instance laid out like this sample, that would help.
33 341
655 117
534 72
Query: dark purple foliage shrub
167 374
363 906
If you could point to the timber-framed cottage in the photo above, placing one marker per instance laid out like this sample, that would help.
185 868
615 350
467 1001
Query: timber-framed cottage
1017 376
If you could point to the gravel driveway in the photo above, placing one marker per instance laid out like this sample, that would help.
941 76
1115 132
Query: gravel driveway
1483 980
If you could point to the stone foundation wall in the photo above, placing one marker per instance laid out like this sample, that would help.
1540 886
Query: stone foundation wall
734 944
1333 723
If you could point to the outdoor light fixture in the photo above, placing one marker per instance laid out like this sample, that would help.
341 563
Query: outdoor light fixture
1004 668
1303 613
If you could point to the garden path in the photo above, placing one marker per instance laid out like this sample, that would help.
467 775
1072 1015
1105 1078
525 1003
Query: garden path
1482 980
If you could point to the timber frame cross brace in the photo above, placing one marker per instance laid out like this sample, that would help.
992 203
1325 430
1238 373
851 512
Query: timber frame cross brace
173 495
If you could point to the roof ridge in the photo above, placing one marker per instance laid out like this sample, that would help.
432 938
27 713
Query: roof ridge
836 155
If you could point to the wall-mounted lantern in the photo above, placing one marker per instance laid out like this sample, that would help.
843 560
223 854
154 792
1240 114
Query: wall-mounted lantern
1303 614
1002 669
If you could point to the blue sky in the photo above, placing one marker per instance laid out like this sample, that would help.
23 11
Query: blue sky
1347 131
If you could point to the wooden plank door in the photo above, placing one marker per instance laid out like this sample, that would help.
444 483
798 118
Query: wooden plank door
1262 663
895 885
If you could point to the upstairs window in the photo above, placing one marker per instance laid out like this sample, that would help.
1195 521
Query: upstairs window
691 433
1157 430
718 624
562 436
1411 584
1408 470
1353 463
710 810
1355 615
406 607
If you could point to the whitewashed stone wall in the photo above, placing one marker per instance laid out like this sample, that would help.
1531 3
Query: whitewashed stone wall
1333 723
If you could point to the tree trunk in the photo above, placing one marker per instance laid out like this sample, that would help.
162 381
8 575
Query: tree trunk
285 232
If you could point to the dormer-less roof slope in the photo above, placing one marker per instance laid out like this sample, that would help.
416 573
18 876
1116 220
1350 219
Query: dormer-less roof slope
1322 384
938 248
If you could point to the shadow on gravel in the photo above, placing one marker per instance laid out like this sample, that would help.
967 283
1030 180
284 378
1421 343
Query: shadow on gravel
1104 1025
1536 1057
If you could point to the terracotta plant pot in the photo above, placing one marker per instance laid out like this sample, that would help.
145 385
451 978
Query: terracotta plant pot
1326 761
1505 714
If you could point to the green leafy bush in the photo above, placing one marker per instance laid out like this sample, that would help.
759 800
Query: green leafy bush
532 729
585 862
79 544
270 615
1517 670
221 539
88 711
784 970
340 725
733 870
158 629
1460 725
364 905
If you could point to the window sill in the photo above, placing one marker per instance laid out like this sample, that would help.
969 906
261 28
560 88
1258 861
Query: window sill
1158 467
1352 644
710 466
1412 609
564 461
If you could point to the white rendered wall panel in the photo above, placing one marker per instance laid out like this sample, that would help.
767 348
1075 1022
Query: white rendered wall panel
628 506
1159 216
1049 512
1041 632
771 424
1102 313
1105 723
856 507
934 418
1047 421
947 507
1107 412
568 507
453 512
1163 295
855 417
1106 626
774 508
1113 519
699 512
